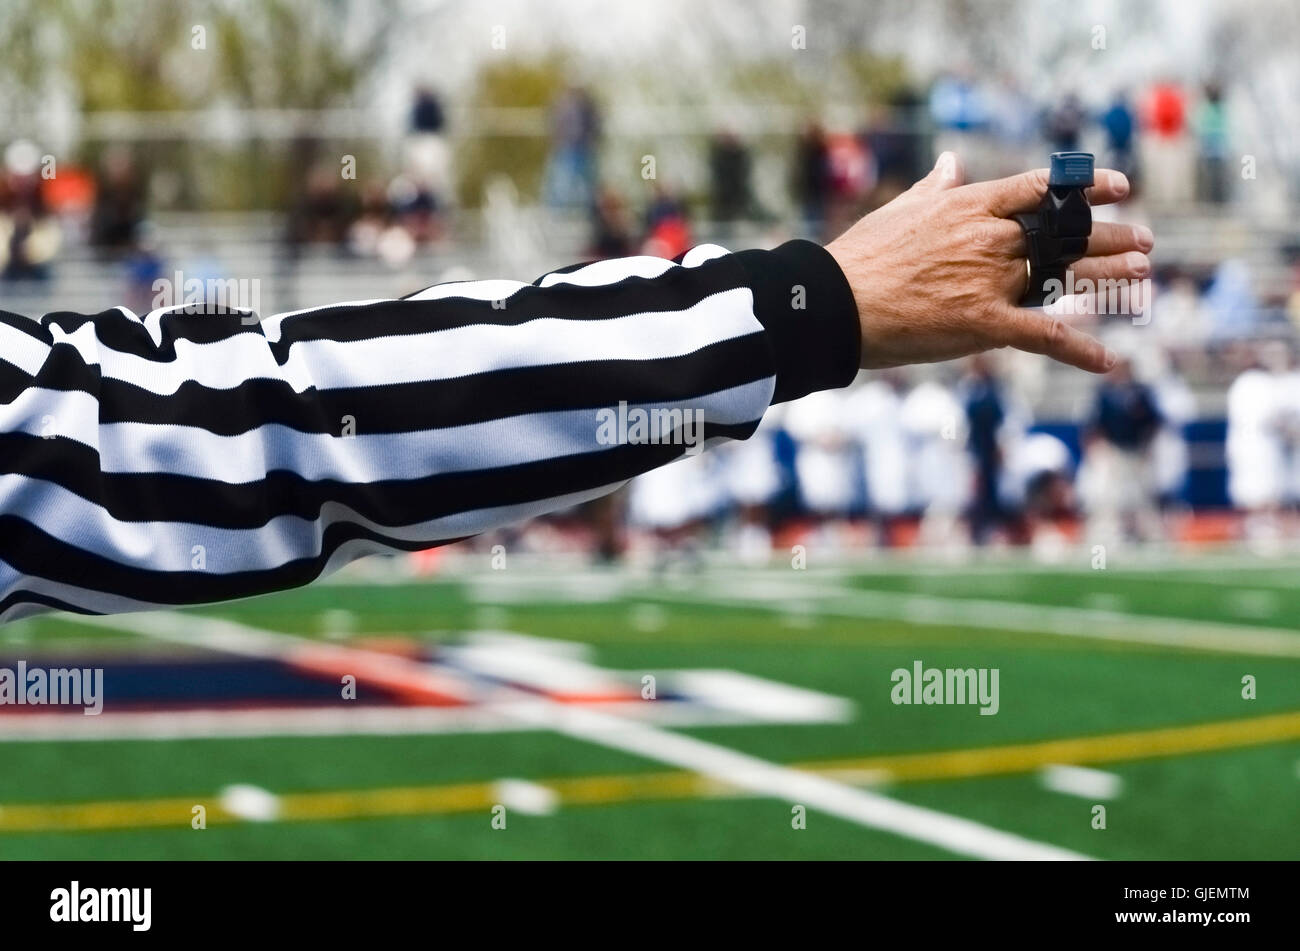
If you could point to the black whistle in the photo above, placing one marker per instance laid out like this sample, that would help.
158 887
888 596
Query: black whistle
1056 235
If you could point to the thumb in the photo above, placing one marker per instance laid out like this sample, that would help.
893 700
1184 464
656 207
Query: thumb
948 172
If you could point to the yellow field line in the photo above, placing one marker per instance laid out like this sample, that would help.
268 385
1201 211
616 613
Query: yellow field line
1109 748
126 813
630 787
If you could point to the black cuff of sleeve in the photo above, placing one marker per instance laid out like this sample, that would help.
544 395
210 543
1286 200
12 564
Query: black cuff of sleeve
804 302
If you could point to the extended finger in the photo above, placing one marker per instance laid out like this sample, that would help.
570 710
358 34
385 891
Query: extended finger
1109 237
1110 186
1129 266
1035 332
1009 196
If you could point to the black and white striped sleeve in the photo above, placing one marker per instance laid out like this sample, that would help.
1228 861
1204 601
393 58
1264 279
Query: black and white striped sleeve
183 458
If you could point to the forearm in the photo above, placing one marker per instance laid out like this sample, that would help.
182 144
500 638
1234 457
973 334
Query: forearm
189 458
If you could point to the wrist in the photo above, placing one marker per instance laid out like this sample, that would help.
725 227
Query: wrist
807 306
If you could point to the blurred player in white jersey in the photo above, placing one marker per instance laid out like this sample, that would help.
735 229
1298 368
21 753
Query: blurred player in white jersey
874 410
826 461
940 468
1257 442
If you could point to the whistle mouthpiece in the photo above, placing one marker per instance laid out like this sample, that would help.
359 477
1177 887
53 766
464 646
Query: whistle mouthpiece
1071 170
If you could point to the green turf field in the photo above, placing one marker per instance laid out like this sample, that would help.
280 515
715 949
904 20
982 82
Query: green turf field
1133 673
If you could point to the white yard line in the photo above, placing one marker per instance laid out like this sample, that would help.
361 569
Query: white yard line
762 778
735 769
916 608
978 563
1272 579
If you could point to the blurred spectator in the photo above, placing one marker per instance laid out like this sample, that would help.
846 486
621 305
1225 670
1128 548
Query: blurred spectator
29 235
957 104
1120 126
730 188
144 266
1063 124
1168 156
20 187
415 205
419 194
426 113
28 245
811 179
895 140
667 230
119 202
375 232
1179 316
571 172
1230 302
1013 121
1212 135
611 226
852 175
364 232
322 213
1166 109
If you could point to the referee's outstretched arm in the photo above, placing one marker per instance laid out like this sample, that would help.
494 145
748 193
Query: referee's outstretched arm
184 457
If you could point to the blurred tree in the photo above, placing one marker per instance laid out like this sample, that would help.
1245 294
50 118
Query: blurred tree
295 54
298 54
111 55
505 85
182 55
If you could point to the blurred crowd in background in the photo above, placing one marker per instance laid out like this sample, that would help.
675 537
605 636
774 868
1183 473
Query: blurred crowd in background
956 459
975 453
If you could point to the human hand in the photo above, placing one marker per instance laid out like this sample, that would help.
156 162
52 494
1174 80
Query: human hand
936 273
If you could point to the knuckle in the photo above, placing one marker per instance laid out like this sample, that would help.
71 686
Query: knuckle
998 328
1055 334
988 238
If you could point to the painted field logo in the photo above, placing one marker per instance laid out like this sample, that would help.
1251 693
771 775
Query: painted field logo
639 426
946 685
53 686
75 903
